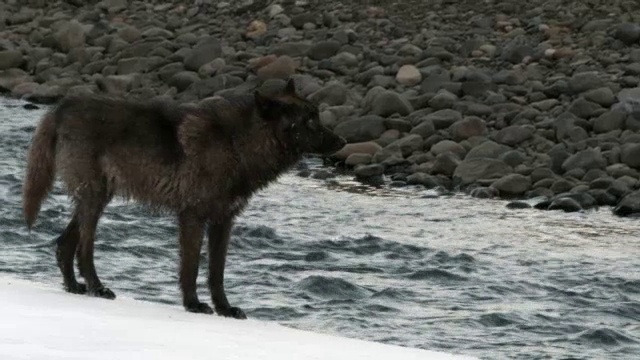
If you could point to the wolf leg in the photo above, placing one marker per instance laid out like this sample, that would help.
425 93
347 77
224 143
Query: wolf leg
67 243
90 208
219 233
191 234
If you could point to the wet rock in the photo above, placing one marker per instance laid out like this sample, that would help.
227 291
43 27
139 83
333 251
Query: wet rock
583 198
408 144
472 170
366 171
512 184
426 180
356 159
362 129
618 188
322 175
484 192
518 205
367 148
388 153
629 205
445 163
565 204
603 198
561 186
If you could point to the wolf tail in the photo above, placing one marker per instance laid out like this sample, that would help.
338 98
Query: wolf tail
40 172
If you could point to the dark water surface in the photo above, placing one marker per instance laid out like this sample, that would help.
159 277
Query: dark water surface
441 273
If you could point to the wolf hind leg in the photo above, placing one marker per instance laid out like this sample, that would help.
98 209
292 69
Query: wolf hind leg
67 244
90 206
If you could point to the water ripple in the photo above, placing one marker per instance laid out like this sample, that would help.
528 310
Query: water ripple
444 273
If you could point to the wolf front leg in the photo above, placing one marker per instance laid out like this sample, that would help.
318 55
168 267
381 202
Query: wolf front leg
219 234
191 235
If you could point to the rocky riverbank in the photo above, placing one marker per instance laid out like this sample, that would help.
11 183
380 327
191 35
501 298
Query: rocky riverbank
507 99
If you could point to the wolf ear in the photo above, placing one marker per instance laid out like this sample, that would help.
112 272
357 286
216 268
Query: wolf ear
267 108
290 88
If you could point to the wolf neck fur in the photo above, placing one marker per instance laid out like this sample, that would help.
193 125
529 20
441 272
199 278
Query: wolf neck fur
258 155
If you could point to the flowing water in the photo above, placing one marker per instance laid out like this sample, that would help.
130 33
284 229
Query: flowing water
403 267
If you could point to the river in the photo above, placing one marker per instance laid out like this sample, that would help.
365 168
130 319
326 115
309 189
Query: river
403 266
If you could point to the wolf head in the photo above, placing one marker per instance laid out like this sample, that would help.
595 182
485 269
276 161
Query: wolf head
296 121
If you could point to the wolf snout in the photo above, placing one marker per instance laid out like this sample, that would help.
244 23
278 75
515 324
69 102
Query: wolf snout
337 143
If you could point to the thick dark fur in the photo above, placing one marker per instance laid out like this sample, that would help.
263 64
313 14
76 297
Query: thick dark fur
202 163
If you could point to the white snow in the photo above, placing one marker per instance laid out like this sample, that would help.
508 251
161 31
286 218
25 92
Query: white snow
43 322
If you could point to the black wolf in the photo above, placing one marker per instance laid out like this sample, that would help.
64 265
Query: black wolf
201 163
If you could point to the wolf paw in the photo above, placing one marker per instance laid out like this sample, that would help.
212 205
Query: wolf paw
101 292
232 311
200 308
76 288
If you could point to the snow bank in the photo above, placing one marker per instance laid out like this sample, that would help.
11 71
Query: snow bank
40 322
